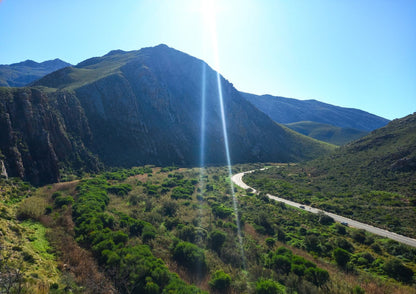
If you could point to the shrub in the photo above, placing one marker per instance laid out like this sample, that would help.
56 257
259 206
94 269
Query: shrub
170 208
317 276
31 208
216 240
397 270
221 211
270 241
220 281
120 189
341 256
269 287
189 255
63 200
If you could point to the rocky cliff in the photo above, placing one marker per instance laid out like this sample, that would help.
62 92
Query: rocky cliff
42 133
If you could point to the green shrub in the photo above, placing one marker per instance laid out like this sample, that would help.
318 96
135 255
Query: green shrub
189 255
63 200
216 240
120 189
397 270
220 281
341 256
221 211
269 287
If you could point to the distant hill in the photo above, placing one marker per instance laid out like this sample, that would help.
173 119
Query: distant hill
22 73
289 110
135 108
327 133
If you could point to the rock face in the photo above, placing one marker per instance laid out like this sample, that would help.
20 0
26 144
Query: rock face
22 73
288 110
135 108
41 133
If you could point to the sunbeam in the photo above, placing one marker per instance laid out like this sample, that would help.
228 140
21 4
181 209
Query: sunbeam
209 10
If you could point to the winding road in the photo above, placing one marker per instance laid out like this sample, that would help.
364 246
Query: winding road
238 180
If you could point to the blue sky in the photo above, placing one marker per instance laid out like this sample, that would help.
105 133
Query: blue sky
351 53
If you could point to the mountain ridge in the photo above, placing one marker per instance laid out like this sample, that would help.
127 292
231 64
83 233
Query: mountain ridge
23 73
289 110
144 107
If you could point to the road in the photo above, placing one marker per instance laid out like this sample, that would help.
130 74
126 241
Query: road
238 180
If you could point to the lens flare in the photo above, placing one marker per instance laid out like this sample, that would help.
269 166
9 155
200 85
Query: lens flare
209 9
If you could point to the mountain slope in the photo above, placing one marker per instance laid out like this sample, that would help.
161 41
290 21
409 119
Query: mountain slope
288 110
372 179
144 107
22 73
327 133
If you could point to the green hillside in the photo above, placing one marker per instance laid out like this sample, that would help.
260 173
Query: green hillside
327 133
372 179
170 230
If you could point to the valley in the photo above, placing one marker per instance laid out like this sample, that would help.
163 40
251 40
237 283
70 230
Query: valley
127 174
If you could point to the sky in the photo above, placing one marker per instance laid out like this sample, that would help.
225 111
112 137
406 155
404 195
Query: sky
351 53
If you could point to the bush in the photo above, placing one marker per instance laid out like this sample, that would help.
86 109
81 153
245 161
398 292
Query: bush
216 240
190 256
269 287
220 281
317 276
169 208
120 190
341 256
31 208
63 200
397 270
221 211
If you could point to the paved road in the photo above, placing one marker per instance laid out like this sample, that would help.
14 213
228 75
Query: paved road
238 180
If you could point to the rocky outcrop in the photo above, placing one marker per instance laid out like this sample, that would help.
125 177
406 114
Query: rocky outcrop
3 170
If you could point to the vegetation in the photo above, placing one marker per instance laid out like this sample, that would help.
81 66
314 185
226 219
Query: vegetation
146 241
327 133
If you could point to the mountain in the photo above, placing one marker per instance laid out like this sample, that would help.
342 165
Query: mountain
135 108
327 133
288 110
23 73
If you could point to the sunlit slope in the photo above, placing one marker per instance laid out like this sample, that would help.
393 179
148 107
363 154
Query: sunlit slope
372 179
145 107
384 160
326 133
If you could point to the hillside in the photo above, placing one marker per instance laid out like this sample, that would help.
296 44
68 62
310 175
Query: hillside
171 230
138 107
288 110
372 179
327 133
23 73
